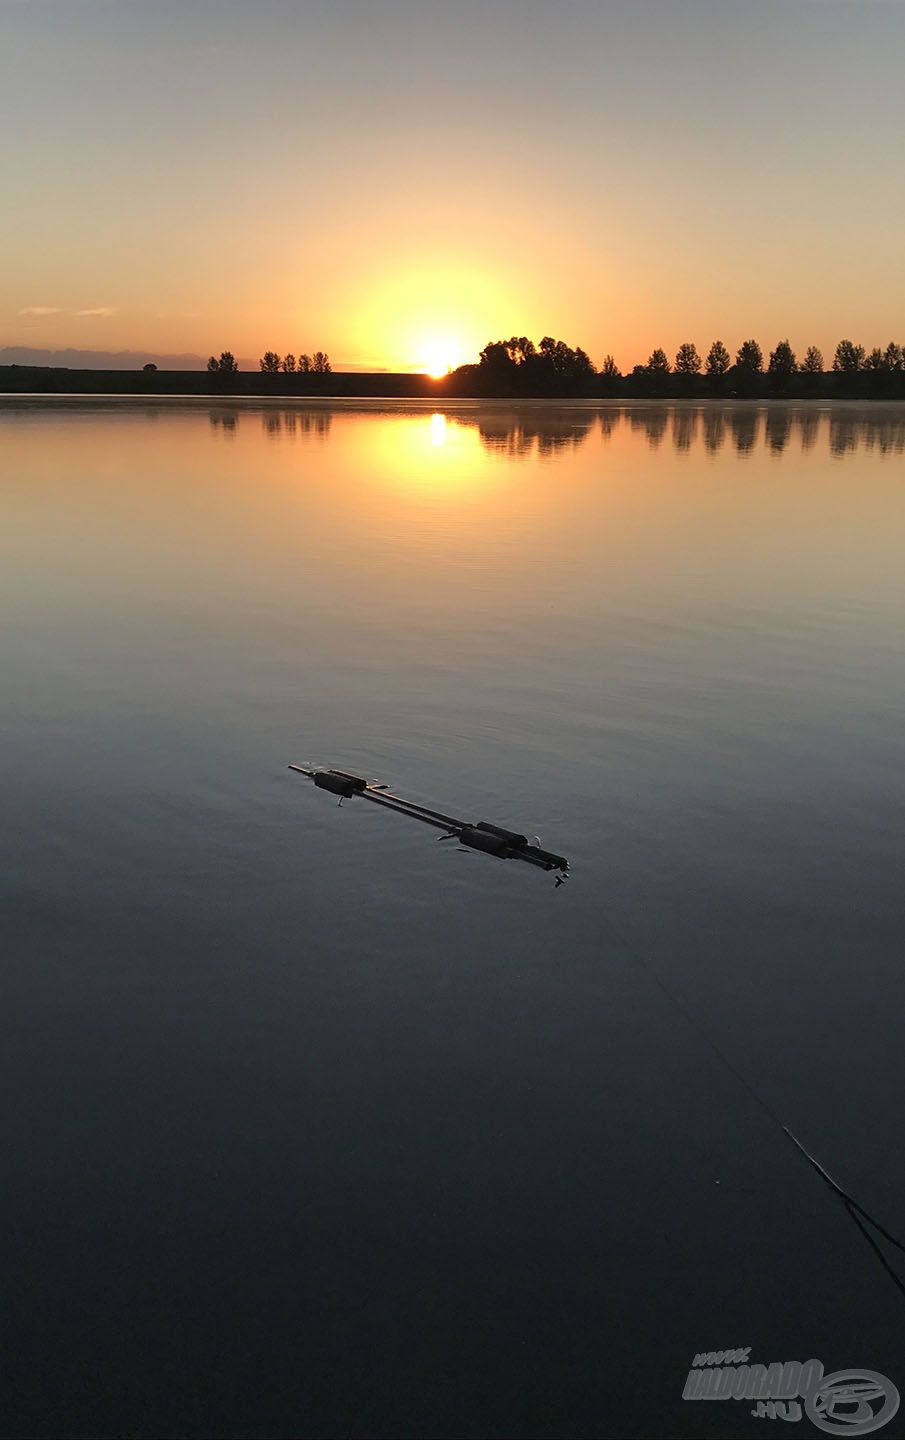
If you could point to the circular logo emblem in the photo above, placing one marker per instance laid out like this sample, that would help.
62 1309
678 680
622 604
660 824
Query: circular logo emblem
852 1402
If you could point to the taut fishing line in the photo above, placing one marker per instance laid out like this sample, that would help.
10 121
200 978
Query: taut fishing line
508 845
852 1207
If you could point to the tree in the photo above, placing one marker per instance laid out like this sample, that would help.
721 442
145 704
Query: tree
750 357
609 369
894 357
849 357
516 366
226 365
688 361
521 350
655 372
304 364
565 364
289 363
813 361
783 363
875 360
270 362
320 363
718 360
149 369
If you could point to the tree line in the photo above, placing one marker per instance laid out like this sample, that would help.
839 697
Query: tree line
849 359
518 367
273 364
317 364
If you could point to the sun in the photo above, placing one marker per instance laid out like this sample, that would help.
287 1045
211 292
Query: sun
440 355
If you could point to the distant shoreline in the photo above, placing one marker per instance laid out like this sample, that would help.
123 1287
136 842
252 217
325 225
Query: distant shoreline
249 385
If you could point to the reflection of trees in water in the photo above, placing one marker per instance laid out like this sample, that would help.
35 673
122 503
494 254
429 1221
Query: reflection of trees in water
523 434
714 428
744 424
684 428
652 420
548 431
753 426
778 428
296 424
867 430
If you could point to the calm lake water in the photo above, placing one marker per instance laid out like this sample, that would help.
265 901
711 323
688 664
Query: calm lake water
314 1127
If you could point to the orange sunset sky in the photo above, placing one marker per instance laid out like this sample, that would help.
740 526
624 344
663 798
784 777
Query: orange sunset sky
397 184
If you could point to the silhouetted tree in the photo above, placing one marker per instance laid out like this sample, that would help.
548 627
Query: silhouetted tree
225 367
270 362
521 350
496 366
849 357
813 361
783 363
568 366
656 373
304 364
894 357
718 360
610 377
320 363
750 357
149 369
517 367
289 364
875 360
688 361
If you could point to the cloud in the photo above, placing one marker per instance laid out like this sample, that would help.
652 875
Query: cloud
40 310
103 311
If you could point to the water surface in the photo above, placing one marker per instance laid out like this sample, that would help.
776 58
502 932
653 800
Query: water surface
316 1128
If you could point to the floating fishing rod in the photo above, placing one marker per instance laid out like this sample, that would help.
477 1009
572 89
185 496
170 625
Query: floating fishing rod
478 835
508 845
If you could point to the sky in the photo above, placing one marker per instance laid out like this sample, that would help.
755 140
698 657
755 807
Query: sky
399 181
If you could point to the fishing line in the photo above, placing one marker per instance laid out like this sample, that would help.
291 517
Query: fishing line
506 844
852 1207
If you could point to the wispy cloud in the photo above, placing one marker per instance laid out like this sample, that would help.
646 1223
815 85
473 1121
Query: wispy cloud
40 310
103 311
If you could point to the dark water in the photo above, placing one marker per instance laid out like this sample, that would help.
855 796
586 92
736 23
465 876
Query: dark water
313 1128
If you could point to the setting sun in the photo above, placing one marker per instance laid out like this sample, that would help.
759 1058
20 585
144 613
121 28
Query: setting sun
441 356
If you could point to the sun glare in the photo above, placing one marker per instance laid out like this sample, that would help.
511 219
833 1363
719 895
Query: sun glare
441 356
